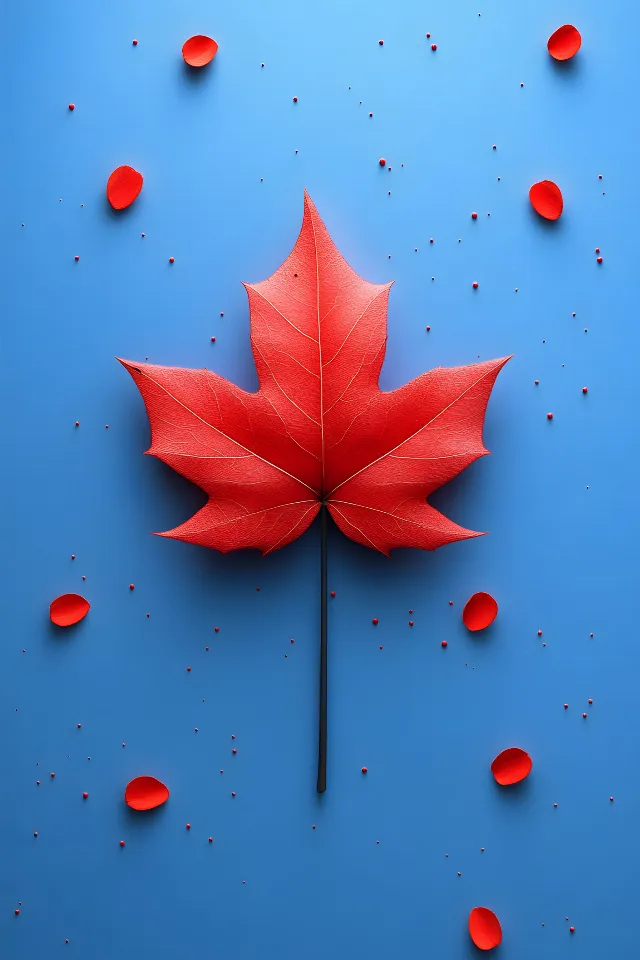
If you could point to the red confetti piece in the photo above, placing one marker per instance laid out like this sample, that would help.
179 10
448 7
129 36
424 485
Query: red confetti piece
480 610
145 793
546 199
68 609
484 928
198 51
564 43
123 186
511 766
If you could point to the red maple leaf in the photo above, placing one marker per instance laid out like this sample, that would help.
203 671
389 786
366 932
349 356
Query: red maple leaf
319 430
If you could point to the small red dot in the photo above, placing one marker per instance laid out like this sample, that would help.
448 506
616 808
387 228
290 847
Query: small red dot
132 586
381 42
572 929
549 416
410 611
72 106
428 329
333 593
590 700
475 284
444 643
210 839
76 258
539 633
73 556
597 249
188 826
77 423
450 603
135 43
428 35
79 726
295 99
374 621
494 147
522 84
410 623
16 911
216 629
233 736
382 161
233 794
364 769
599 259
52 775
234 750
474 216
434 46
213 339
566 706
85 795
122 843
37 783
610 799
585 390
172 260
584 716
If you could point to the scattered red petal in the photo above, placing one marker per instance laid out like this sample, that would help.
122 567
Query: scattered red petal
123 186
145 793
564 43
480 610
484 928
198 51
68 609
546 199
511 766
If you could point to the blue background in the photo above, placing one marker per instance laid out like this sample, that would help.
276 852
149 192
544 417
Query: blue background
223 195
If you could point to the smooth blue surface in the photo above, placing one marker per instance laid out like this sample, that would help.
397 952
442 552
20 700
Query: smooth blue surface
223 195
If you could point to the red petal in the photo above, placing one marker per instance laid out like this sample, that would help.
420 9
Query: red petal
511 766
546 199
479 611
123 186
564 43
198 51
484 928
145 793
68 609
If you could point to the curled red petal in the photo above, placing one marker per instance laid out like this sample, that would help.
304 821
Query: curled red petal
511 766
484 928
68 609
479 611
564 43
546 199
199 51
123 186
145 793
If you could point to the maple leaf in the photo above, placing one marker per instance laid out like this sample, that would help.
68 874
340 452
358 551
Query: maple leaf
319 430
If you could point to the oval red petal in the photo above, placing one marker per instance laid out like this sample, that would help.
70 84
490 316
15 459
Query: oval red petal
546 199
68 609
511 766
484 928
199 51
564 43
123 186
479 611
145 793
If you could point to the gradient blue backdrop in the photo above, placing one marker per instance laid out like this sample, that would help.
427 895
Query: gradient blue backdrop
223 195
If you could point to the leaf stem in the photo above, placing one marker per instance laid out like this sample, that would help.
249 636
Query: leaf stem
322 737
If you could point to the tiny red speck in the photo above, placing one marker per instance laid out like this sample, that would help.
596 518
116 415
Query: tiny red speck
539 633
233 794
381 42
474 216
611 799
597 249
76 258
584 716
585 390
566 706
599 259
444 643
72 106
52 775
188 669
188 826
364 769
549 416
85 795
572 929
590 700
382 161
475 284
172 260
434 46
410 623
374 621
213 339
135 43
295 99
210 839
216 629
122 843
234 750
132 586
333 593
